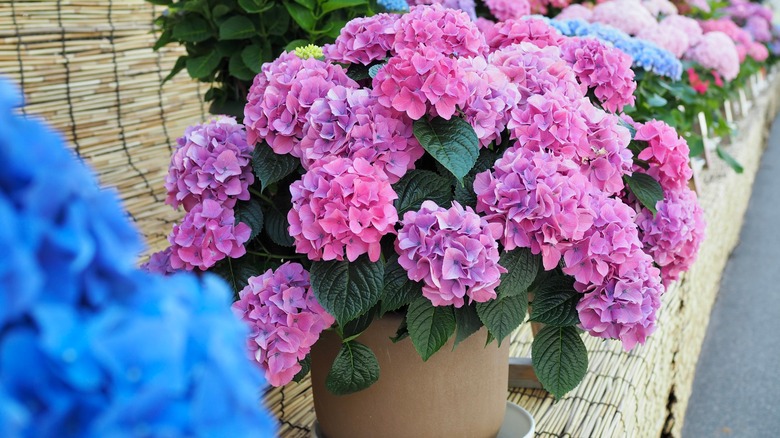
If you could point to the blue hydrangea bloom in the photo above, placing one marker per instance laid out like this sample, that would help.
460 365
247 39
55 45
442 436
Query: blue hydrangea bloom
89 345
645 54
394 5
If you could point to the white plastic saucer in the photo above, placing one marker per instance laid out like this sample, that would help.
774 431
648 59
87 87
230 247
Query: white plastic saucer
518 423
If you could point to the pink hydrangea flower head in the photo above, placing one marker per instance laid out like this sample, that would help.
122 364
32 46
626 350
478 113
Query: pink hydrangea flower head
363 40
666 37
759 28
742 39
159 263
446 31
626 305
454 252
575 11
350 123
673 236
211 161
341 209
608 158
758 51
284 320
542 201
612 240
422 81
660 7
492 96
666 153
626 15
602 68
718 52
483 24
467 6
516 31
688 25
208 233
280 98
508 9
537 70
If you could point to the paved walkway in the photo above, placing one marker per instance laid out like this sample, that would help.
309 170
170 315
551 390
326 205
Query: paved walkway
736 392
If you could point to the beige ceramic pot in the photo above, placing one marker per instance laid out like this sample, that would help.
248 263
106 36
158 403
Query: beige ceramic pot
460 393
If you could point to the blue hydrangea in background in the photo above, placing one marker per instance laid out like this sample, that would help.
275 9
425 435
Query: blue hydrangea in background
645 54
89 345
394 5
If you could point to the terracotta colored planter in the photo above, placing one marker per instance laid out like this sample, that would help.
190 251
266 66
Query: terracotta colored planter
460 393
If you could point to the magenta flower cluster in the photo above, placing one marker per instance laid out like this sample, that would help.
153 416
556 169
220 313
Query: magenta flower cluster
453 251
211 161
341 206
446 31
602 68
281 96
284 318
666 154
508 9
207 235
506 33
363 40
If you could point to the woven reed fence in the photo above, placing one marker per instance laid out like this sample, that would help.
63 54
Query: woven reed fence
87 67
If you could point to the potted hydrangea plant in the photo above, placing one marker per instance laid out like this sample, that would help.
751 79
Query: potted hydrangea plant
427 172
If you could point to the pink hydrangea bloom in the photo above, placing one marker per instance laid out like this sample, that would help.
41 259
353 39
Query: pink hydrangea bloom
483 24
758 51
626 15
718 52
674 235
467 6
575 11
351 123
280 98
446 31
666 37
341 206
420 82
540 6
603 68
660 7
550 122
207 234
741 37
363 40
666 153
211 161
541 200
608 159
532 30
159 263
284 320
625 306
491 97
454 252
687 25
759 28
537 70
508 9
612 241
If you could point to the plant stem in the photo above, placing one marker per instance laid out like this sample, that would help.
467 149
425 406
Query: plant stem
274 256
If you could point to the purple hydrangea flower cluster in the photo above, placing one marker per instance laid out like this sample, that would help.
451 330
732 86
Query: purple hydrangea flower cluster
90 346
363 40
453 251
211 161
285 320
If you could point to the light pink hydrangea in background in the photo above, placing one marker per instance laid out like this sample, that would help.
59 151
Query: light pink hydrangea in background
537 70
541 200
718 52
350 123
742 39
626 305
575 11
667 154
467 6
280 98
626 15
602 68
211 161
506 33
454 252
673 236
660 7
284 320
206 235
363 40
420 82
341 206
667 37
508 9
687 25
758 51
491 98
446 31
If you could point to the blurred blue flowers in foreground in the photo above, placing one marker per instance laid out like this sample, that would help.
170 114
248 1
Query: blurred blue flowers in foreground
89 345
